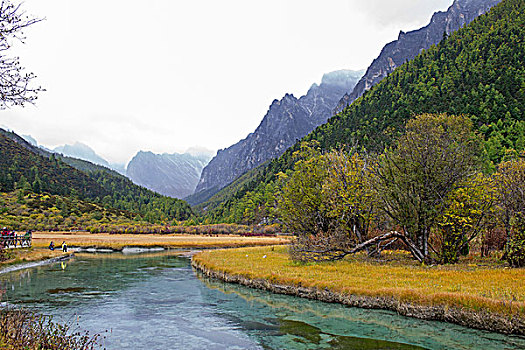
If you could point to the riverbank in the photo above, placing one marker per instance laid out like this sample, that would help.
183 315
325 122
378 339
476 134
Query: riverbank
120 241
23 256
489 297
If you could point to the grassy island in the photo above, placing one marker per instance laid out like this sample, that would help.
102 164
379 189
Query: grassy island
481 289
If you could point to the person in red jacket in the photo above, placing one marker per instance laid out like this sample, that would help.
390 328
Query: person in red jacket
3 240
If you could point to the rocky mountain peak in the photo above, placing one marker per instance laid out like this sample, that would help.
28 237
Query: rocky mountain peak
286 121
173 175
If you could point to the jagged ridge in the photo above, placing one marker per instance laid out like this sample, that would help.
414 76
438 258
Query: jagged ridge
410 44
286 121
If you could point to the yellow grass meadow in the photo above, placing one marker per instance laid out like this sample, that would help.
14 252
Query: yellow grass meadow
23 255
494 289
119 241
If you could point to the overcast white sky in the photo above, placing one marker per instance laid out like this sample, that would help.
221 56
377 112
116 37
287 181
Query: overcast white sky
165 75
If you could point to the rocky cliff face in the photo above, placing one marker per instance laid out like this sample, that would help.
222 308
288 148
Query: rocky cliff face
173 175
410 44
286 121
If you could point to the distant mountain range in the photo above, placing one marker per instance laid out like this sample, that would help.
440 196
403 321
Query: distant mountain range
30 139
286 121
31 168
174 175
410 44
81 151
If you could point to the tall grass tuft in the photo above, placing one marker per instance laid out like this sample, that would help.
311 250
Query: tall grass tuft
23 329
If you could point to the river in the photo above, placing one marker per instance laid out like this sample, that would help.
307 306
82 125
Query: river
156 301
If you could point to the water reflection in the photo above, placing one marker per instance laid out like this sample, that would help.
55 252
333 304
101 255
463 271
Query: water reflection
155 301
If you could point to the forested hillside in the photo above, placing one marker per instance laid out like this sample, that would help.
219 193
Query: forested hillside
21 210
41 172
478 71
125 195
410 44
22 168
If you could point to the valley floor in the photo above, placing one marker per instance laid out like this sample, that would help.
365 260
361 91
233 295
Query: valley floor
119 241
478 292
41 240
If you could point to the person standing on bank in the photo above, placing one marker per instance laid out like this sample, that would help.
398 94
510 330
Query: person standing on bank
64 246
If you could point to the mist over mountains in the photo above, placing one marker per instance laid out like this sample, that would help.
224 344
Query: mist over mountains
173 175
81 151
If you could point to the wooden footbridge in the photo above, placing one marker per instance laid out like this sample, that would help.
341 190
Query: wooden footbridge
15 240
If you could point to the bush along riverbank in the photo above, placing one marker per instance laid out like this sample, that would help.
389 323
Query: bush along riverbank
479 293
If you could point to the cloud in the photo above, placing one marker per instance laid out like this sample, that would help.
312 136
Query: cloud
164 75
399 13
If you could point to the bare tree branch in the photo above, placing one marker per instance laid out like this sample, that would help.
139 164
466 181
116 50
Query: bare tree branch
15 88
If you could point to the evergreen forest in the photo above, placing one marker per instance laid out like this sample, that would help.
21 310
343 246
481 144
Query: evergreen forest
24 167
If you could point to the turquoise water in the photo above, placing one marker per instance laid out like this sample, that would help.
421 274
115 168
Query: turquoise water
156 301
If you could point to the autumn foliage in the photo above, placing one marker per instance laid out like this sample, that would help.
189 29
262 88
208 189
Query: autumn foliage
428 191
